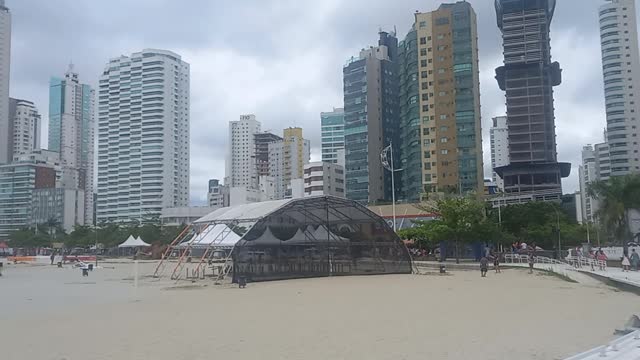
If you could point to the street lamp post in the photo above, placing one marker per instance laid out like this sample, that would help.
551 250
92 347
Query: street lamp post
386 157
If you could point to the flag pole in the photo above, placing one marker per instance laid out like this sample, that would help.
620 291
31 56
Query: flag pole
393 189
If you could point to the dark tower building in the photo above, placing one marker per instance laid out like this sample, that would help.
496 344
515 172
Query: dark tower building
528 77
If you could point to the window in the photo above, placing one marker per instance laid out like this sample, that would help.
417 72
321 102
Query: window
441 71
444 140
444 152
423 41
423 63
423 24
423 52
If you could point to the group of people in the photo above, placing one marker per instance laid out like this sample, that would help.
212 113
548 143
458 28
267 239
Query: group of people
484 263
630 262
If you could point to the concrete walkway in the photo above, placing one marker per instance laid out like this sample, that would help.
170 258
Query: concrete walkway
616 274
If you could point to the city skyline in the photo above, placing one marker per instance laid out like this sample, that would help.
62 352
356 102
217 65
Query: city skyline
575 39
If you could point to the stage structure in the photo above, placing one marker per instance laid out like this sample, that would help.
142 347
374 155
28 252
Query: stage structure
294 238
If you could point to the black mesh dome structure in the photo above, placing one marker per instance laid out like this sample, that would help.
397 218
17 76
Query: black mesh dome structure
310 237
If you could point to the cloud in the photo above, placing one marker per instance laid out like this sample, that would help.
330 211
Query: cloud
281 60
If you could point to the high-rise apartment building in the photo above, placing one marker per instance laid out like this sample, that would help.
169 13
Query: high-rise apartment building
621 70
596 166
72 134
528 77
143 136
241 168
297 153
324 178
499 135
440 103
24 125
371 114
332 129
6 142
262 141
287 158
218 194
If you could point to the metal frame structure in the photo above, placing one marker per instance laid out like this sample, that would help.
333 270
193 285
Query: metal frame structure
351 229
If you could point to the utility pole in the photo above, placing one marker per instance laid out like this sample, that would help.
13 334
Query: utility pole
386 157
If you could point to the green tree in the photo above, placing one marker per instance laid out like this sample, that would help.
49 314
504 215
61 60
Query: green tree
460 220
617 196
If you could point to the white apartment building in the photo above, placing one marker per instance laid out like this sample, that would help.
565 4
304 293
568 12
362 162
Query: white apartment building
596 166
286 163
25 125
5 71
621 71
241 169
143 136
323 178
499 134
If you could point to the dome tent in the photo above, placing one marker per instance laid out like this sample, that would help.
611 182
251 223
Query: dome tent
310 237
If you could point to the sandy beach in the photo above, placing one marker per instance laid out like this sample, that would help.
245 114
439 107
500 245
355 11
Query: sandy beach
53 314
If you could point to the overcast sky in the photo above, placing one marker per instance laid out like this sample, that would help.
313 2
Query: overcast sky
282 60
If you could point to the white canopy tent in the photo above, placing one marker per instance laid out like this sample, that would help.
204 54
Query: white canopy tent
219 235
132 242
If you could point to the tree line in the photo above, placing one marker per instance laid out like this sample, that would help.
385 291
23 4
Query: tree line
464 220
108 235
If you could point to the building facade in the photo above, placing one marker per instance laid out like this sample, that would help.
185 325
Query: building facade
324 178
440 103
72 134
6 135
184 215
499 135
25 124
596 166
621 72
286 161
528 77
241 169
18 181
143 136
332 131
262 141
64 206
218 194
371 110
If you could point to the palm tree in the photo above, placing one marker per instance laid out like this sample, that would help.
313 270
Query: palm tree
617 196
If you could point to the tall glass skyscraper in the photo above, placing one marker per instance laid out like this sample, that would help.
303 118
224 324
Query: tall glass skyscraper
440 120
332 129
72 134
143 136
528 77
370 119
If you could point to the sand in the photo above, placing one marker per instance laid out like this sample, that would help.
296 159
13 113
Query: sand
57 315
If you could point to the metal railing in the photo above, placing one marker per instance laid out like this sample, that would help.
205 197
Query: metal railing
524 259
586 263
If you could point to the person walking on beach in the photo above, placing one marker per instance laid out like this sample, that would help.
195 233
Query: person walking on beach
635 259
531 261
496 262
53 256
484 266
625 262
